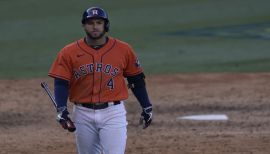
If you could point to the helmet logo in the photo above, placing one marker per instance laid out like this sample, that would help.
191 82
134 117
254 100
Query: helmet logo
95 12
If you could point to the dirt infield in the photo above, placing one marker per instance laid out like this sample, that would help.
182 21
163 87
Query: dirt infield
27 118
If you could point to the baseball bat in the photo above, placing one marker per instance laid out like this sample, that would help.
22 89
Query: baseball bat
69 123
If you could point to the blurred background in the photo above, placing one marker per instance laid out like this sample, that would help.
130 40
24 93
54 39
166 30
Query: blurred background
169 36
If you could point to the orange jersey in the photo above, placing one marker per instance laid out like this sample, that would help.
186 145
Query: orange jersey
96 75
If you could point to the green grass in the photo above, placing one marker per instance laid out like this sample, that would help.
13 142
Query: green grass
32 32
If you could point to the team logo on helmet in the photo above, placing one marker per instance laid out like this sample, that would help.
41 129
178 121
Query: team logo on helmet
95 12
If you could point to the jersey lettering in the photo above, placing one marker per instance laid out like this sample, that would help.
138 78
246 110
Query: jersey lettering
90 68
115 72
107 68
76 75
99 67
84 70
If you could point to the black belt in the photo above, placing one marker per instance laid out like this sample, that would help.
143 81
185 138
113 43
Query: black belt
98 106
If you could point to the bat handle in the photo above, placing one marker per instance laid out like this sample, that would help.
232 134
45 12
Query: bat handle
45 86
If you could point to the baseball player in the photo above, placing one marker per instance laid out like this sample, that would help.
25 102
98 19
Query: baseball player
91 72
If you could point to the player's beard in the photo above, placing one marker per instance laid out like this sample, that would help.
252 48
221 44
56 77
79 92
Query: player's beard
95 37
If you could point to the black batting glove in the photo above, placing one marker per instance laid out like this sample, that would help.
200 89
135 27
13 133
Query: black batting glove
64 120
62 116
146 117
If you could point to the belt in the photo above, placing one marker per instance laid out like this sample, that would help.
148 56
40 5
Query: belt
97 106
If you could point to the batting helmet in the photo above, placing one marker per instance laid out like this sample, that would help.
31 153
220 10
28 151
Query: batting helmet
96 12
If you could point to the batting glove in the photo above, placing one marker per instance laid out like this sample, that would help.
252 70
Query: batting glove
146 117
64 120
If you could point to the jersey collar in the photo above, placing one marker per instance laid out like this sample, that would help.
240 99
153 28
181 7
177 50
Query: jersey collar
81 43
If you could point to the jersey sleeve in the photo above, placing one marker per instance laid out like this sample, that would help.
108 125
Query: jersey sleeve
133 65
61 67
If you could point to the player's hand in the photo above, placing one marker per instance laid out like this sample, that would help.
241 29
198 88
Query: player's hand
64 120
146 117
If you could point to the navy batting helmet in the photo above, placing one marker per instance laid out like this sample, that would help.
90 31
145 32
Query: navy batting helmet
96 12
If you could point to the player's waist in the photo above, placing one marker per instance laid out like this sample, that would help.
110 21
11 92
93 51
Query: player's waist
97 106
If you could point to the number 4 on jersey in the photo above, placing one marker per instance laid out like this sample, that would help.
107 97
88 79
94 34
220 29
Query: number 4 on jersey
110 84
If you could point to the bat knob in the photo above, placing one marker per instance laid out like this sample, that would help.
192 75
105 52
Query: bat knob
70 126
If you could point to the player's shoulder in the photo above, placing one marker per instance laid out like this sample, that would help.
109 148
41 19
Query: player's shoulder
122 44
70 47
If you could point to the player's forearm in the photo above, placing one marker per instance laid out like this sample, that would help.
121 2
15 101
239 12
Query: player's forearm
61 92
141 94
137 85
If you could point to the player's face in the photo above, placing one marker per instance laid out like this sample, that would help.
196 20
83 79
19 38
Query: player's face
94 28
